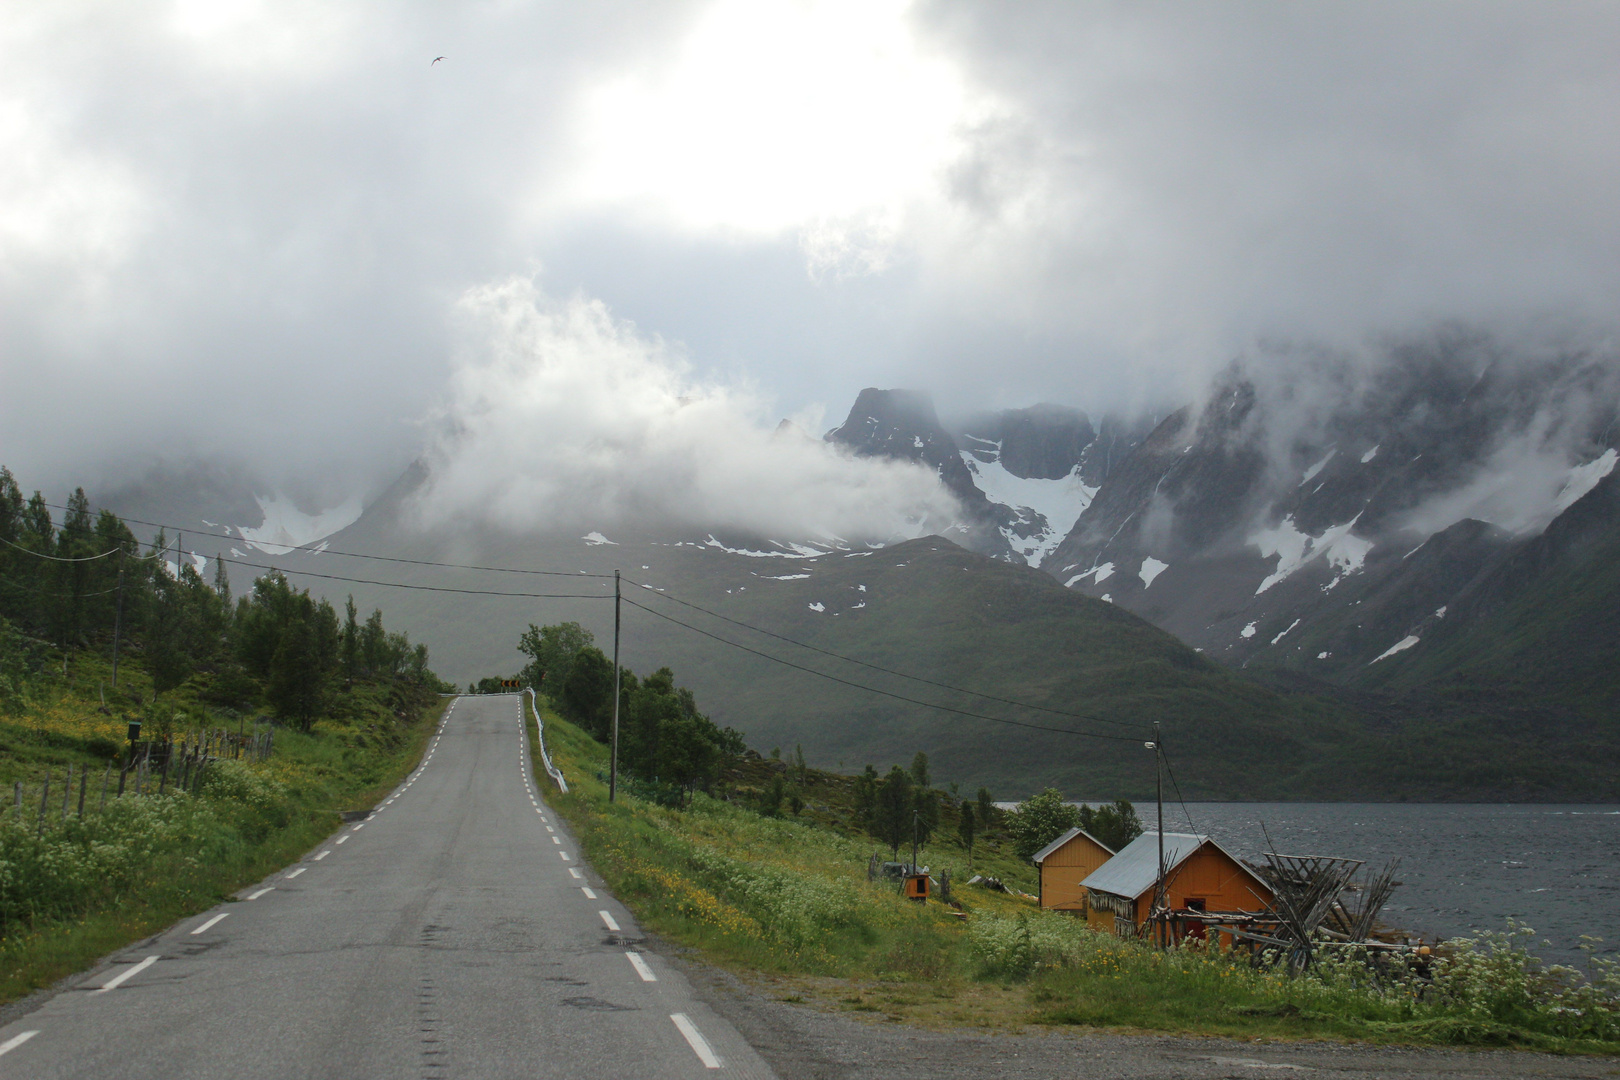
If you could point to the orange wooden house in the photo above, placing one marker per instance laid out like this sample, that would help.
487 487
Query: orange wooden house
1199 874
1065 863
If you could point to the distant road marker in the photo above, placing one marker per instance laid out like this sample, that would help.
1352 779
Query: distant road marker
261 892
574 870
341 839
211 922
641 967
590 893
323 854
15 1041
607 921
296 872
694 1039
128 973
566 856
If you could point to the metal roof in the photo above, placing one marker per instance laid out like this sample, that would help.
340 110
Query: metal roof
1135 868
1040 856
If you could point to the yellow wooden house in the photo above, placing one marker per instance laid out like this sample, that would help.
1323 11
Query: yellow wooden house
1065 863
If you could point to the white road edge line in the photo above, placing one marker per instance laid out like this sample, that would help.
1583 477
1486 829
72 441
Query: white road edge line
590 893
556 839
574 870
15 1041
607 920
566 857
261 892
343 838
323 854
296 872
641 967
694 1039
128 973
211 922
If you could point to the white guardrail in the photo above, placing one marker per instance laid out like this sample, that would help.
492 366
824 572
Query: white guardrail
545 758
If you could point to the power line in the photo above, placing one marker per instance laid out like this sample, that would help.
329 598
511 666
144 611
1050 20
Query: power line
317 549
1173 783
884 670
57 558
875 690
426 588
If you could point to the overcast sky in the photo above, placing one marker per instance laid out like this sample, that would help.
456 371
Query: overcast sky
254 231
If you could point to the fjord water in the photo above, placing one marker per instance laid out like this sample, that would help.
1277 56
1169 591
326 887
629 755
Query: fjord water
1464 867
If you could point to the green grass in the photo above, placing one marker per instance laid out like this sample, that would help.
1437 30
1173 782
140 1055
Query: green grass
86 888
786 901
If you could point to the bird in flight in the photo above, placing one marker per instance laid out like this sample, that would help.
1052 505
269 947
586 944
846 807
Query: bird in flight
436 59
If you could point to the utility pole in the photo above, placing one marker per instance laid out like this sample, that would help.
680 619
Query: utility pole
118 614
1159 899
613 761
916 827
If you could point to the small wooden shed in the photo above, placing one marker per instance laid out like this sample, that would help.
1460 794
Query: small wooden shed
1199 874
1065 863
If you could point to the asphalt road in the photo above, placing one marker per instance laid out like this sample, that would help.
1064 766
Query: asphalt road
455 933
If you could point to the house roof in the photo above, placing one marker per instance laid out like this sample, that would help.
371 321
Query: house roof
1040 856
1135 869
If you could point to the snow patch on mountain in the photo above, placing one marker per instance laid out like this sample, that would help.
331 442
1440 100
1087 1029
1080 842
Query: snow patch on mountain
596 539
1047 509
794 551
1151 568
286 527
1582 479
1310 473
1099 574
1344 551
1400 646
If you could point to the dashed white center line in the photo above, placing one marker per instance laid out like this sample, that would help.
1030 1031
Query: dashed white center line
341 839
607 920
590 893
694 1039
211 922
296 872
550 829
261 892
556 839
575 872
566 856
16 1040
358 827
128 973
323 854
641 967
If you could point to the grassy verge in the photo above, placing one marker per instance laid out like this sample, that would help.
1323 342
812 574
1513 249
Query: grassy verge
786 901
87 887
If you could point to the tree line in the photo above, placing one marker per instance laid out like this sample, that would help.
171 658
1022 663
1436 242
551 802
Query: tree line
86 583
664 740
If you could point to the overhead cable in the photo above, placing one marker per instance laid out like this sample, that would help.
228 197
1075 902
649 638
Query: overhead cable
875 690
884 670
317 549
428 588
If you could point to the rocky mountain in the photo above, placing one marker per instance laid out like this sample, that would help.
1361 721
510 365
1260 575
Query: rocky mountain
1374 526
1023 476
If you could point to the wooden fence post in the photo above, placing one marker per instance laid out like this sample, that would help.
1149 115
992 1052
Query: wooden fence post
84 782
44 800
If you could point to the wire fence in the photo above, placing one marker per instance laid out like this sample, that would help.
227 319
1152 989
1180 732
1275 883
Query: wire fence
152 767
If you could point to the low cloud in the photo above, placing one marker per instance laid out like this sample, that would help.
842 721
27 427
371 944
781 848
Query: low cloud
561 415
